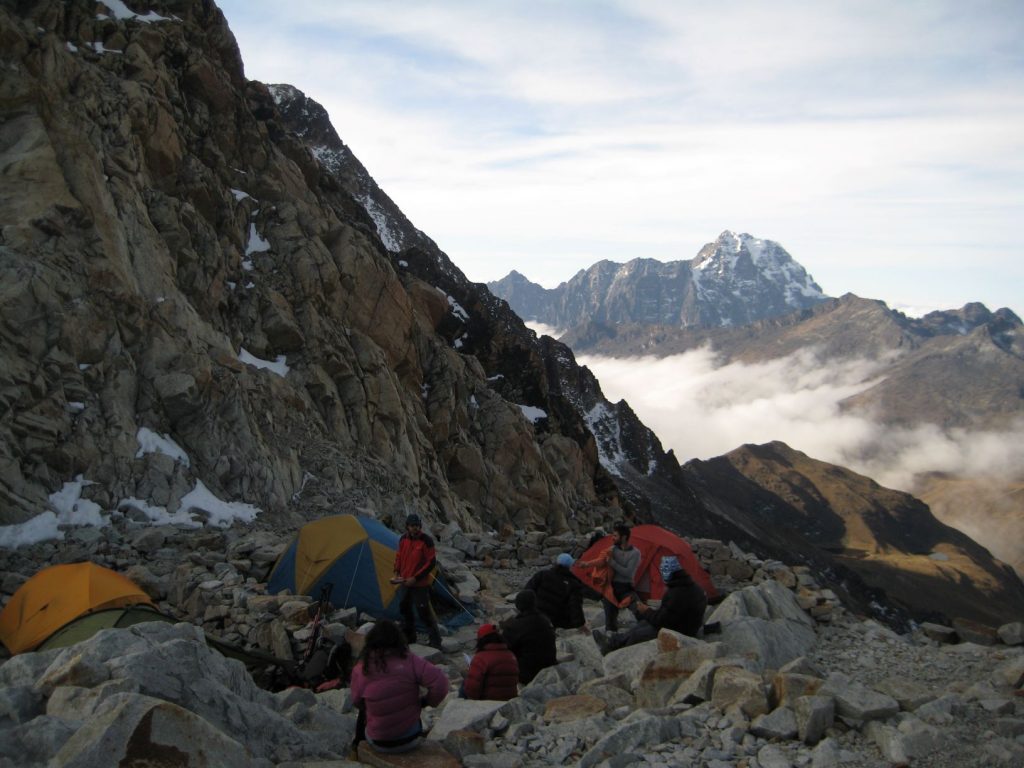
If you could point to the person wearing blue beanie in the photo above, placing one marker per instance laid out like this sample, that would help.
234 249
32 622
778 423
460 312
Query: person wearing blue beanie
682 610
559 593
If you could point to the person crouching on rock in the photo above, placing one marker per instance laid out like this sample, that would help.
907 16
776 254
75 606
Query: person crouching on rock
530 636
494 672
682 610
559 593
386 690
414 566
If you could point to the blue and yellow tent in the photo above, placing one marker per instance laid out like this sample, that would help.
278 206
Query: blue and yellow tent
356 555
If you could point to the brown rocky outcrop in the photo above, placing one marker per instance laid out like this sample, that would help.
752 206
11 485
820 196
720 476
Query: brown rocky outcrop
888 538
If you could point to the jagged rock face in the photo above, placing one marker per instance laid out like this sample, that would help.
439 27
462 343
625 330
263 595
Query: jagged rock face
889 538
733 281
188 252
311 123
160 217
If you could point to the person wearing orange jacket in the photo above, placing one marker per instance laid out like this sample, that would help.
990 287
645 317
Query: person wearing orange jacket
414 571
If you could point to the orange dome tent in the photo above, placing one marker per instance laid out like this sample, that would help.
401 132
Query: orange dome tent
654 542
58 595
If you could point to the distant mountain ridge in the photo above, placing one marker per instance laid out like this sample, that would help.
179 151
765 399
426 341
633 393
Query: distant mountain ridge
733 281
954 368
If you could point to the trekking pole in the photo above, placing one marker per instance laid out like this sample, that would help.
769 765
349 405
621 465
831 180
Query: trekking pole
318 621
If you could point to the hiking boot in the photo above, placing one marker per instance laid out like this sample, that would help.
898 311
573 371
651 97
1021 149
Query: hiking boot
601 639
713 628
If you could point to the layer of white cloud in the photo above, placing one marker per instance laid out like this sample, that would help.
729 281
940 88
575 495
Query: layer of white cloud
702 409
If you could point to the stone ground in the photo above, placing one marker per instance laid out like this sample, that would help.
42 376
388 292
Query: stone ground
871 654
212 580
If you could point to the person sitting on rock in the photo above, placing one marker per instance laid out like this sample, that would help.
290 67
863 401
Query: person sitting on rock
682 610
530 636
386 690
494 672
559 593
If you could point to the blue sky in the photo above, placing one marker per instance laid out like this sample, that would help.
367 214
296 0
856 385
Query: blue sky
882 144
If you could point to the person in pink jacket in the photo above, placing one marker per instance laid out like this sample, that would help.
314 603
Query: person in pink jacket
386 687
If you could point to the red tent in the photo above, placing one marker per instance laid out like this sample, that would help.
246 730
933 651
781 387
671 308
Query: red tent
654 542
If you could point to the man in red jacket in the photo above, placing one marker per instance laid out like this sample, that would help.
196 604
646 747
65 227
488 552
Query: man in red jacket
414 566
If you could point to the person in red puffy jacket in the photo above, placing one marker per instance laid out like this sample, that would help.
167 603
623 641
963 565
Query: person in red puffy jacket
494 672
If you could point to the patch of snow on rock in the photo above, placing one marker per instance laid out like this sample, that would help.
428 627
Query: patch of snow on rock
256 243
153 442
532 413
390 237
277 366
221 513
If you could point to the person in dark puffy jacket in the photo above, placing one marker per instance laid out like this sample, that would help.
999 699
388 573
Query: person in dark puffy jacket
494 672
530 636
559 593
682 610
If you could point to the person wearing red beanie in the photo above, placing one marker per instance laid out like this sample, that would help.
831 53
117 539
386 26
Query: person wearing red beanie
494 672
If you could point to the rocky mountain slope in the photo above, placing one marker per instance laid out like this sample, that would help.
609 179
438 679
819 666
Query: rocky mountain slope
205 300
733 281
890 539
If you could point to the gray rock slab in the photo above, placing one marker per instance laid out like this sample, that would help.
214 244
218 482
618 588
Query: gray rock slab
463 715
773 642
825 755
630 661
770 756
780 723
1012 633
857 702
768 601
634 734
910 694
910 741
26 668
814 716
20 703
35 742
1010 672
137 727
585 651
939 632
943 710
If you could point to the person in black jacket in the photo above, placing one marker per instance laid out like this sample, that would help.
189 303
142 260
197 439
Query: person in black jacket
530 636
682 609
559 593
